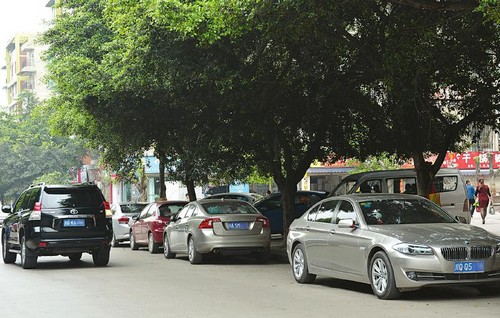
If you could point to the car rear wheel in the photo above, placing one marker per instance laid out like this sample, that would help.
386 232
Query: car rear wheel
133 244
193 255
114 242
152 246
166 248
8 257
75 256
28 257
382 277
299 266
101 256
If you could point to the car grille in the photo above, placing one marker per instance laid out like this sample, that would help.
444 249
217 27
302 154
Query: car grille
463 253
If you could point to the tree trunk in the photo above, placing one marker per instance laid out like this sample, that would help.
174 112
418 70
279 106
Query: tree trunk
288 194
163 188
190 189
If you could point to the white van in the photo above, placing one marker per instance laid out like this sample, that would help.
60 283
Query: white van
449 183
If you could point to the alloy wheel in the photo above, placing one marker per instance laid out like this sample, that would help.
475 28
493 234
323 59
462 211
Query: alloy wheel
298 263
379 275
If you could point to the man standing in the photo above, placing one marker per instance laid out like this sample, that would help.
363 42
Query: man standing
471 196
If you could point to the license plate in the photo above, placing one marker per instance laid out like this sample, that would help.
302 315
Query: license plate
237 225
469 267
74 222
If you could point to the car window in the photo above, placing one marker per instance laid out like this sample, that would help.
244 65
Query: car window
344 187
345 211
326 211
190 211
169 209
144 212
228 208
370 186
270 203
33 196
131 208
19 203
70 198
445 183
152 209
402 185
311 216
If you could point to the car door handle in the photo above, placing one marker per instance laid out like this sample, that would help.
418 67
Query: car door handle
307 228
332 232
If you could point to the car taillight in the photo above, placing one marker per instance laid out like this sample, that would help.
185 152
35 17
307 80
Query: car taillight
107 210
159 222
208 223
36 214
123 220
264 220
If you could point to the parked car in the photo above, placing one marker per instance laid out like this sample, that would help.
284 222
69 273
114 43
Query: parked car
220 227
147 228
247 197
123 214
51 220
394 242
271 208
448 184
2 217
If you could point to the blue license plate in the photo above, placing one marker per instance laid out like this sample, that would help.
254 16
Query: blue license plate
237 225
469 267
74 222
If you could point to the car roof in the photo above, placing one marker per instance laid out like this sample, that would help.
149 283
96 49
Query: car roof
395 172
375 196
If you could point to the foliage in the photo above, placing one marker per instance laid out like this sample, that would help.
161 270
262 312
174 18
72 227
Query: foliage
53 178
28 151
384 161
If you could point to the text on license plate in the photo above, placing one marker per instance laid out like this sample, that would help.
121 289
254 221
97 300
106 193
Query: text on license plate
74 222
237 225
469 267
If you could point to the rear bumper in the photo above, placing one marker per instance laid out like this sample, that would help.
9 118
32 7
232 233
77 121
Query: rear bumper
63 246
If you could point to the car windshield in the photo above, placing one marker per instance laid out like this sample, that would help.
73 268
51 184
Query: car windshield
132 208
69 198
403 211
228 208
344 187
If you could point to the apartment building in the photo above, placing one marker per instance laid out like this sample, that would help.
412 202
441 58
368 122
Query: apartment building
24 71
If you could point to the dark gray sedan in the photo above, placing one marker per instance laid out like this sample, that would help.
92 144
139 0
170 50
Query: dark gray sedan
394 242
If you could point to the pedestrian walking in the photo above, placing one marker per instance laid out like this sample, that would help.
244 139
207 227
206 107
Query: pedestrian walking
471 195
483 195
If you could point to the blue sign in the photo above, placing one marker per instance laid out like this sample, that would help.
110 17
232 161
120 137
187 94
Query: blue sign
242 188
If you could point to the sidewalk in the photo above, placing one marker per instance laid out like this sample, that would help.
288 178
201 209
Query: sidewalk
492 221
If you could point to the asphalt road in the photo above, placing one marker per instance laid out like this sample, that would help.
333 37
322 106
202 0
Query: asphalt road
139 284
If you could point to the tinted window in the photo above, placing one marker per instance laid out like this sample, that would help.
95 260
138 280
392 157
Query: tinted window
19 204
370 186
228 208
402 185
395 211
69 198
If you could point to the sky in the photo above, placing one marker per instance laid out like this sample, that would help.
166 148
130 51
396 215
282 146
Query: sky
17 16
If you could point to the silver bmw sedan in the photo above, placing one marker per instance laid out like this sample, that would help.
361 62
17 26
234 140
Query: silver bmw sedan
394 242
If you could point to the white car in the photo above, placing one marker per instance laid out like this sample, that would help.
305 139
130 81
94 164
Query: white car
2 217
122 219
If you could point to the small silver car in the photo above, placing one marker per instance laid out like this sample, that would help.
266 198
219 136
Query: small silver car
217 226
394 242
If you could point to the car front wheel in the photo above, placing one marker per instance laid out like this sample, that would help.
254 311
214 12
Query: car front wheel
382 277
8 257
299 266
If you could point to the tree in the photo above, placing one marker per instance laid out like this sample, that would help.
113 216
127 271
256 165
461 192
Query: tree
30 153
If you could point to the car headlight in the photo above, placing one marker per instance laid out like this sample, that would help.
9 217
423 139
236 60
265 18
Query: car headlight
413 249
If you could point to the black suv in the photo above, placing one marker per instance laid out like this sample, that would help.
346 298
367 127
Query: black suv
49 220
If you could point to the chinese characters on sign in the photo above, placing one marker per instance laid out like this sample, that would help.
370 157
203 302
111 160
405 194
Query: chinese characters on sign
467 160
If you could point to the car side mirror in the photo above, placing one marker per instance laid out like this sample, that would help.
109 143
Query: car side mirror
6 209
347 223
